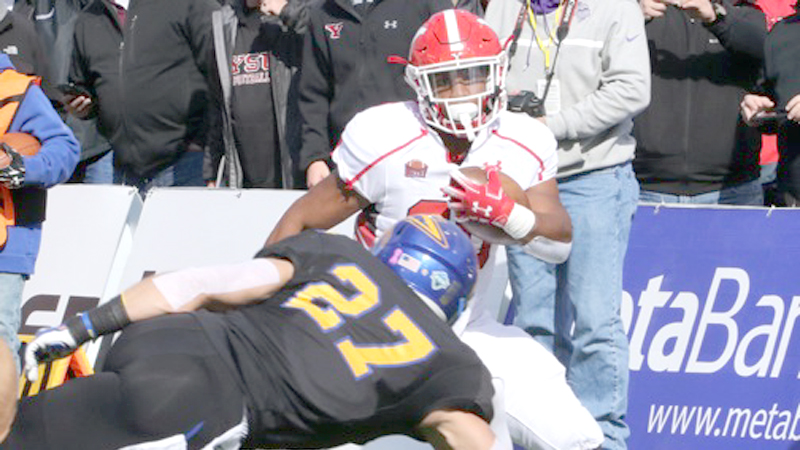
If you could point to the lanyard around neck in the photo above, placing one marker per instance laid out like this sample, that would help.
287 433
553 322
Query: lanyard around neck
552 35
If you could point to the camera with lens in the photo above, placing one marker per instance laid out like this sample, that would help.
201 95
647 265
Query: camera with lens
527 102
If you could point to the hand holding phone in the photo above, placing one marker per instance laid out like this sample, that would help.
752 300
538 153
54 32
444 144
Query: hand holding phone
74 90
770 118
77 99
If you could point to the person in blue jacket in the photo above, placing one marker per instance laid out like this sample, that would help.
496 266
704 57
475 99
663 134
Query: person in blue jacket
23 182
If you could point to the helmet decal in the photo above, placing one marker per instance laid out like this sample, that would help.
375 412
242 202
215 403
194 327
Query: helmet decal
439 280
431 227
407 261
453 35
435 258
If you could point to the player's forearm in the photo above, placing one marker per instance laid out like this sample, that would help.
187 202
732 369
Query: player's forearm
457 430
221 286
551 238
552 220
294 221
297 218
552 225
324 206
144 301
548 236
141 301
108 318
283 230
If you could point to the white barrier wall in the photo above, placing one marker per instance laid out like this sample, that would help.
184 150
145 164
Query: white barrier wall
86 239
182 227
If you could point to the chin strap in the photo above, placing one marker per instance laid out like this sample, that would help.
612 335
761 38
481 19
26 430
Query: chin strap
465 113
466 122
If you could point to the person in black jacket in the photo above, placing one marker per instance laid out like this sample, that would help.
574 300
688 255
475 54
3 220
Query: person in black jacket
145 68
255 124
25 49
345 68
692 146
781 94
54 21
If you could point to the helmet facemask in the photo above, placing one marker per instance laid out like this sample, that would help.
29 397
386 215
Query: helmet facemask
479 80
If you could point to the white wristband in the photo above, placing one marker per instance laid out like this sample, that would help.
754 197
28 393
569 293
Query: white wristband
520 222
548 250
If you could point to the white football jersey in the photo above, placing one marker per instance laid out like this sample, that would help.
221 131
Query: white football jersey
395 161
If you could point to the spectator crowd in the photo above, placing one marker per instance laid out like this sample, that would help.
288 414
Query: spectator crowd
662 101
212 92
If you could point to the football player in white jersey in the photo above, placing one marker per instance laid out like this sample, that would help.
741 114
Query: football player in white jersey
399 159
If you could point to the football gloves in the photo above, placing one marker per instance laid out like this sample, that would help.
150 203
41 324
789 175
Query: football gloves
55 343
488 203
48 345
13 175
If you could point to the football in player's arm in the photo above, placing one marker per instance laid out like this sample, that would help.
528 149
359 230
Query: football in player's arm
180 376
544 228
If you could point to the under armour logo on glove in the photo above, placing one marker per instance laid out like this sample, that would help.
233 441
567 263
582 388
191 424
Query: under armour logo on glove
12 175
487 202
485 212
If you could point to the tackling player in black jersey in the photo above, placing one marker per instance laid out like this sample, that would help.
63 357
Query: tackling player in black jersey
319 344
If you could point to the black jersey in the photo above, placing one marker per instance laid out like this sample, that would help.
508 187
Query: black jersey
345 352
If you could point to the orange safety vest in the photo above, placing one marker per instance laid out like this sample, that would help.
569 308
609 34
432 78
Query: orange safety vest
13 86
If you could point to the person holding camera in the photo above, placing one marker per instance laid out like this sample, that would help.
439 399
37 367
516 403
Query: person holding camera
692 146
777 105
586 62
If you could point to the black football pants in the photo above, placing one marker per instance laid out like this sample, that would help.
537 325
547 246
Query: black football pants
162 379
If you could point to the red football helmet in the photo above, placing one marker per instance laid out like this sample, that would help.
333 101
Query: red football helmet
458 69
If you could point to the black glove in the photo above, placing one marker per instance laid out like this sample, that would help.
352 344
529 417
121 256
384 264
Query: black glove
13 175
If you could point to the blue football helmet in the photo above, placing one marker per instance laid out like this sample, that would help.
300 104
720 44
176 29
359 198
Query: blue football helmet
435 257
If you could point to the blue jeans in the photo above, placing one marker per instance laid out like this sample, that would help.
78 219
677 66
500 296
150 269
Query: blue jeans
769 183
749 193
100 171
187 170
574 308
11 285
